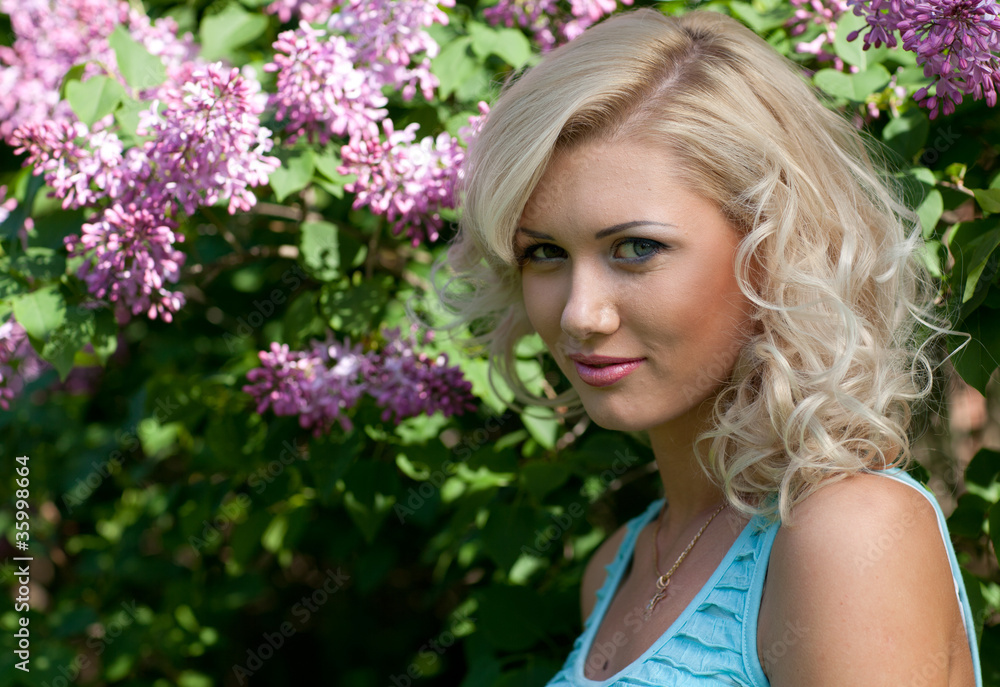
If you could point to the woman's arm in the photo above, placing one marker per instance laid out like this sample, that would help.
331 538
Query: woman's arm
865 576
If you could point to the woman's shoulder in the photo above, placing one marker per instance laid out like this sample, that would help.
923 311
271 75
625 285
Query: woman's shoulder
862 567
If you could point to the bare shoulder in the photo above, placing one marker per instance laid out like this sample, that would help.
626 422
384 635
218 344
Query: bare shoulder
861 572
595 574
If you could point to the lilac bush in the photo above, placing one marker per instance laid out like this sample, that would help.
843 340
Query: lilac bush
956 42
321 384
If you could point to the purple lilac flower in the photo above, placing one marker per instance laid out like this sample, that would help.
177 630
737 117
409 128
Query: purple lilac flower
19 364
319 91
322 383
330 80
535 15
83 166
207 142
407 383
307 10
386 34
318 385
548 24
956 41
133 258
405 181
51 36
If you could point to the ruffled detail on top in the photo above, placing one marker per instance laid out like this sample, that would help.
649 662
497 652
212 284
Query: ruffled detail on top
708 643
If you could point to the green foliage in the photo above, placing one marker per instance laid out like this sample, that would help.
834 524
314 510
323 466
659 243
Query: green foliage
183 539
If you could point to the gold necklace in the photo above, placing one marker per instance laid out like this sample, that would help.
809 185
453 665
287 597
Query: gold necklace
662 580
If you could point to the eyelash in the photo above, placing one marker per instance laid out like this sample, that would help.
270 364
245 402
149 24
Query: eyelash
526 255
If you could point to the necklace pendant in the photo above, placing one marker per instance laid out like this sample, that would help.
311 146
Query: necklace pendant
656 599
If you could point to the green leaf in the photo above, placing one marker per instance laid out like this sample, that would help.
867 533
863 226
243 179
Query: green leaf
761 23
854 87
105 338
127 116
508 44
41 312
320 251
543 426
369 497
293 175
453 66
983 468
231 28
140 69
10 287
994 520
510 617
541 478
853 52
64 342
907 134
988 199
981 355
929 211
95 98
327 165
511 527
73 74
40 263
972 244
26 201
354 310
967 518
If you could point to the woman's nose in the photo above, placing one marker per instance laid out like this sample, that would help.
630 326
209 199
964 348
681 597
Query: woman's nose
590 308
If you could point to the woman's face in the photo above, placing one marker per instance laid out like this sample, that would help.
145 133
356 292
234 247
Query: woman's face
624 261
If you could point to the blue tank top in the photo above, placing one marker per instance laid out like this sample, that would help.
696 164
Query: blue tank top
714 640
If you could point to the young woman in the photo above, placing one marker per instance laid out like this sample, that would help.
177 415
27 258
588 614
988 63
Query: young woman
711 257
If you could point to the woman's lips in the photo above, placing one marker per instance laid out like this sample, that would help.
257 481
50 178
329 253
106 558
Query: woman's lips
605 375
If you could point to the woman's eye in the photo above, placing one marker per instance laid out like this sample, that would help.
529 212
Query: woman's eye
540 252
638 248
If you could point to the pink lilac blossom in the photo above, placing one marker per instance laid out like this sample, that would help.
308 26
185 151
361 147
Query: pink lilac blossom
407 383
407 182
133 258
318 385
825 14
52 36
322 383
207 142
548 24
83 166
330 80
319 93
386 34
19 364
307 10
956 42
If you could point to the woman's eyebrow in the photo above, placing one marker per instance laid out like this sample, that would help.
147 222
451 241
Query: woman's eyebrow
614 229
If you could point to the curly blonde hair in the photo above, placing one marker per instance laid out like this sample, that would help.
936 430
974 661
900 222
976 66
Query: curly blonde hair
828 252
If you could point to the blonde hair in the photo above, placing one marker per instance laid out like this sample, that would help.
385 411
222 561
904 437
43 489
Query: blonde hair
828 253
